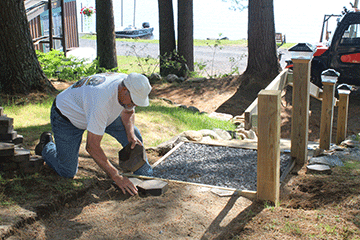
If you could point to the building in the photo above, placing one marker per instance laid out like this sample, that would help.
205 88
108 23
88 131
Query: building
44 38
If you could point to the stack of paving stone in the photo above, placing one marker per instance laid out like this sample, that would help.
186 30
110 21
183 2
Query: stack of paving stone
13 157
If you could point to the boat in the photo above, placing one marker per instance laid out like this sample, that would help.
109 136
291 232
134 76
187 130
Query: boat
133 32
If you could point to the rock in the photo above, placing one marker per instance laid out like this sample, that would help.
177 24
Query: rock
319 169
252 135
192 135
193 109
223 134
172 78
154 78
221 116
183 107
350 143
238 120
164 147
209 133
241 136
331 161
318 152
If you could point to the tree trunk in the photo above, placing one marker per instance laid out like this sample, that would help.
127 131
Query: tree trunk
263 64
20 71
186 32
167 35
105 31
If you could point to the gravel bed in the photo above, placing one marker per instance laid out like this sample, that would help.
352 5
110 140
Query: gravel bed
214 165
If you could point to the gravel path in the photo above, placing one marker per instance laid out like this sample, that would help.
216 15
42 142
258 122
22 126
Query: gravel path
217 61
213 165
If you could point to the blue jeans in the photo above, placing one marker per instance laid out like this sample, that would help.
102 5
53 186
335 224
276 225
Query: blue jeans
63 155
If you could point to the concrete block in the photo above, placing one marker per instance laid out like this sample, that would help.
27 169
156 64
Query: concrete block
21 155
131 160
5 137
6 123
7 149
6 159
153 187
18 140
34 165
6 129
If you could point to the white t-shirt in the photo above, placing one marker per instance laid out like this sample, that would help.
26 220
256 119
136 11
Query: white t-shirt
92 102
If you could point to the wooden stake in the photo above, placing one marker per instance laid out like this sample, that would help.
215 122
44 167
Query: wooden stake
327 112
300 112
343 106
268 162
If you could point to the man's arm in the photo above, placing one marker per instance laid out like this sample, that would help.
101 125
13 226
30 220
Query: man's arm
128 119
94 149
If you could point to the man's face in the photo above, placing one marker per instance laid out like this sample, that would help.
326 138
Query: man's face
125 100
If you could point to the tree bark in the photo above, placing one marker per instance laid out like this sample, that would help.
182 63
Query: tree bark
186 32
105 30
20 71
167 35
263 64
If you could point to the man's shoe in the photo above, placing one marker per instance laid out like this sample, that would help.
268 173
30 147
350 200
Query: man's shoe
45 138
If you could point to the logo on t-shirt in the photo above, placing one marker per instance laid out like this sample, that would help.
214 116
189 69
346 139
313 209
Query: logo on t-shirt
90 81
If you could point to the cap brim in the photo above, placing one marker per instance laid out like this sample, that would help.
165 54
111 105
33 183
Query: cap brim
139 101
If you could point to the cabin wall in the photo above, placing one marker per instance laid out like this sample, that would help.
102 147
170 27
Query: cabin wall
71 30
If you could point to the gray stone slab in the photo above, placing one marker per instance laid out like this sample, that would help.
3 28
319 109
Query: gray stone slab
153 187
330 160
222 192
319 169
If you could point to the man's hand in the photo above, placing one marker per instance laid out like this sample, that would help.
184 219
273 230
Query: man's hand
125 185
94 149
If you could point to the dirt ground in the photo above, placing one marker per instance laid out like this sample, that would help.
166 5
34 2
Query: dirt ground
311 207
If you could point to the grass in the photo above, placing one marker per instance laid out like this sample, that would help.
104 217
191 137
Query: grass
131 64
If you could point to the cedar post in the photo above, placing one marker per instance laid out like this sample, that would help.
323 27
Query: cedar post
342 119
300 112
268 162
327 112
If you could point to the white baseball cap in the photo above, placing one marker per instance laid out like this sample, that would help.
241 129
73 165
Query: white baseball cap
139 88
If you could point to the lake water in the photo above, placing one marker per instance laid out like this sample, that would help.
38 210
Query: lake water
300 21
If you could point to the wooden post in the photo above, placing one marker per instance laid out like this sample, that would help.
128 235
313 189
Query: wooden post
268 162
327 112
300 112
342 119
